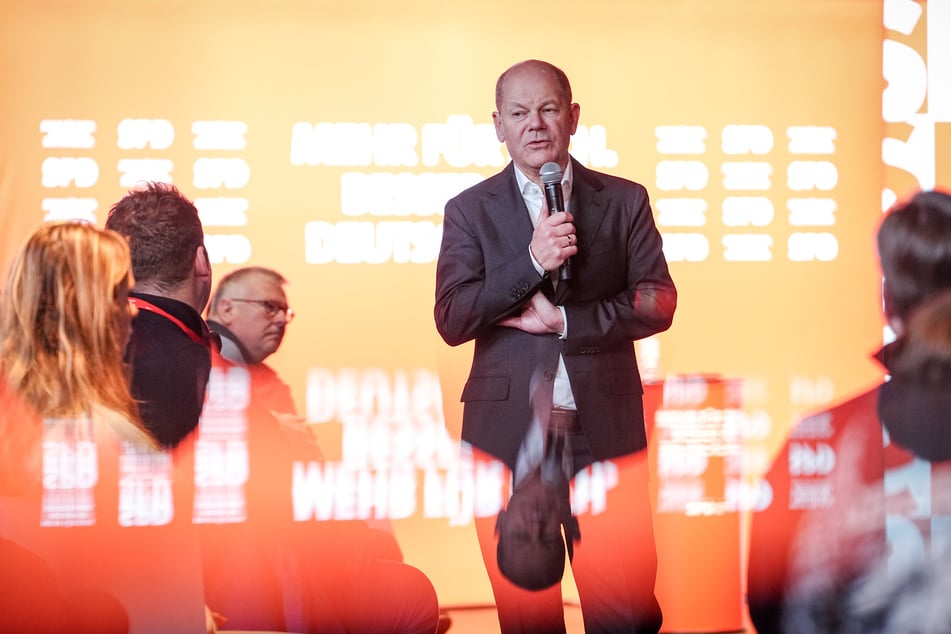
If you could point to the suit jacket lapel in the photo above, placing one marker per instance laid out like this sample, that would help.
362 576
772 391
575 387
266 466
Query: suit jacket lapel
507 209
587 205
588 208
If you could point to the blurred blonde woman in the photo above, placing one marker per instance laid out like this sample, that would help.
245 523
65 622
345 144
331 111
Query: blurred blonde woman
84 489
64 325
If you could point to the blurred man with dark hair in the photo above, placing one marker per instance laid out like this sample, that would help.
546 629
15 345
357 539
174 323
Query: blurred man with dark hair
170 348
836 533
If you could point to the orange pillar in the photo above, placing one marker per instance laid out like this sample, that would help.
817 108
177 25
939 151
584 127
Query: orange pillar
695 453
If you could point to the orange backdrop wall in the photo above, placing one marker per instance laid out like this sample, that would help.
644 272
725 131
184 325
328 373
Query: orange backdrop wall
323 138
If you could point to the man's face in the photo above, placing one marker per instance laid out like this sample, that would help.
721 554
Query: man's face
260 333
530 529
535 119
534 531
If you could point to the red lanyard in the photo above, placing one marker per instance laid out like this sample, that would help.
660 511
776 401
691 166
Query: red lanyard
142 304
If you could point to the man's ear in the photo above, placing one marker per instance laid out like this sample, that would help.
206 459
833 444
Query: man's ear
572 535
497 122
223 310
896 323
573 529
202 262
575 110
200 282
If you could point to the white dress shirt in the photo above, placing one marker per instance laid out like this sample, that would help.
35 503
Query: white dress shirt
531 452
534 199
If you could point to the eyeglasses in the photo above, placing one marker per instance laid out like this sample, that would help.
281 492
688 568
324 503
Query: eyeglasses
271 309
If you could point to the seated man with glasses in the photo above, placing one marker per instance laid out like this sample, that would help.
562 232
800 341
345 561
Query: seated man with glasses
267 570
249 311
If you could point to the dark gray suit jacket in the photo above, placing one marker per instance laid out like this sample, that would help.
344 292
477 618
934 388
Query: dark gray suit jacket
620 291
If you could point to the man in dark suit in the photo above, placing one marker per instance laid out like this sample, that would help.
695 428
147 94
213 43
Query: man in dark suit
497 282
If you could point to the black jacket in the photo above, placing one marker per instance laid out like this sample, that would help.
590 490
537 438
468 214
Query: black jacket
169 367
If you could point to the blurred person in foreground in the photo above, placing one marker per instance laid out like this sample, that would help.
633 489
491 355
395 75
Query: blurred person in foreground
498 283
272 569
908 590
89 528
170 347
855 540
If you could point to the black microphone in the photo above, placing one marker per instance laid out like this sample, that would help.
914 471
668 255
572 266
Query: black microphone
551 177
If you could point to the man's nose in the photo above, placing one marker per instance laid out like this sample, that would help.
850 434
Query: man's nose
535 120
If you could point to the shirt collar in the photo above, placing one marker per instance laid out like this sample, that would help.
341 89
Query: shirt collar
231 347
525 185
184 313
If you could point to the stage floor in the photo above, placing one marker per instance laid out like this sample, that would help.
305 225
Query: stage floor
482 620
